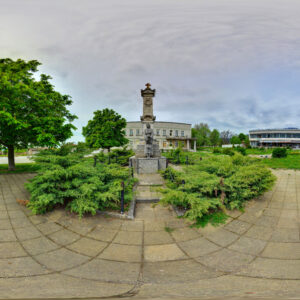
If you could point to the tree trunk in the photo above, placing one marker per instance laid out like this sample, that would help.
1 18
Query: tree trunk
11 158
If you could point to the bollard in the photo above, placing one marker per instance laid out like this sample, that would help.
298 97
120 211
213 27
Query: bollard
183 182
122 197
95 161
200 158
132 174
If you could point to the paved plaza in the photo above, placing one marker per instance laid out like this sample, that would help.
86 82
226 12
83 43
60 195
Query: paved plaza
256 254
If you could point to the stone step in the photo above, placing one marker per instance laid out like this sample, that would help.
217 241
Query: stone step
142 200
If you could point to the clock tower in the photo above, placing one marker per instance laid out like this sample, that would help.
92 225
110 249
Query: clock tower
147 95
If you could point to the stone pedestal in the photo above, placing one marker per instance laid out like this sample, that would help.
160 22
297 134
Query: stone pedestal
140 150
143 165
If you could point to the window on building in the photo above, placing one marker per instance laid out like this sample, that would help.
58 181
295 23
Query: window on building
176 132
176 144
157 131
164 144
137 132
164 132
131 132
182 133
171 132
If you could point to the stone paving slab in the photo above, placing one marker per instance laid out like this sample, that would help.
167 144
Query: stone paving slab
256 253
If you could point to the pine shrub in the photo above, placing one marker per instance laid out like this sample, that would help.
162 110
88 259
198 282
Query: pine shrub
73 182
214 183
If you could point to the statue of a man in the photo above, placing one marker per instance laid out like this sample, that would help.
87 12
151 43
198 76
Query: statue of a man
149 141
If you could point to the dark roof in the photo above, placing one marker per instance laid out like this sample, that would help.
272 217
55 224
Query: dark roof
161 122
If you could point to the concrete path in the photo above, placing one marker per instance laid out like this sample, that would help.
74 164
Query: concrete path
256 254
18 160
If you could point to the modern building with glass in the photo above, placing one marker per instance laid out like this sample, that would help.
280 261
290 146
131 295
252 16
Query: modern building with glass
286 137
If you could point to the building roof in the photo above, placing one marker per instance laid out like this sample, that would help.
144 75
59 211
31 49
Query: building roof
276 129
161 122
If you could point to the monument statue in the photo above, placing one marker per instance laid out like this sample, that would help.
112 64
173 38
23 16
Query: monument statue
147 157
148 141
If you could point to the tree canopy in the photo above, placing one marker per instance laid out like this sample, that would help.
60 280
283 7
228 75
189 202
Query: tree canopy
105 130
201 132
32 113
214 137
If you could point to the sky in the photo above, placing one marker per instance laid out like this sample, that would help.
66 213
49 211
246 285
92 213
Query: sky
234 64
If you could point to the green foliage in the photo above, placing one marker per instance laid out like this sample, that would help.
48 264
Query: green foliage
215 219
279 152
71 181
247 183
235 140
177 156
213 183
241 150
221 166
214 137
31 111
121 156
217 150
201 132
228 151
105 130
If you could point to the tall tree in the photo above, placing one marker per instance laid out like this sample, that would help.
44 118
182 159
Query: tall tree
214 137
105 130
226 135
242 137
201 132
32 113
235 140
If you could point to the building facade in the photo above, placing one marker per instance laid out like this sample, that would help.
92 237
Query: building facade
169 135
286 137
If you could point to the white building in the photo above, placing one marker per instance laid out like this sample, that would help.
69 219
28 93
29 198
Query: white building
168 134
286 137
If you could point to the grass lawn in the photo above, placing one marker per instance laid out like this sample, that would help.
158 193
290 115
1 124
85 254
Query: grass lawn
292 161
20 168
257 151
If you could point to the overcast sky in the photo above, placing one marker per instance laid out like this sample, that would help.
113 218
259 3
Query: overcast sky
232 64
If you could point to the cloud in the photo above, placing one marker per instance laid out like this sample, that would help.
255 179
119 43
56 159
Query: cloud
233 64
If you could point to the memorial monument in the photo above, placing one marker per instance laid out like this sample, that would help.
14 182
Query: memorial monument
147 157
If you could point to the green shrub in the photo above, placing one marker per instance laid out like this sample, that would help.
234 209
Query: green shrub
242 150
221 166
73 182
247 183
177 156
228 151
121 156
215 182
216 150
279 152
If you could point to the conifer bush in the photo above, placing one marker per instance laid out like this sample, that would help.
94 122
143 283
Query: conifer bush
214 183
72 181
